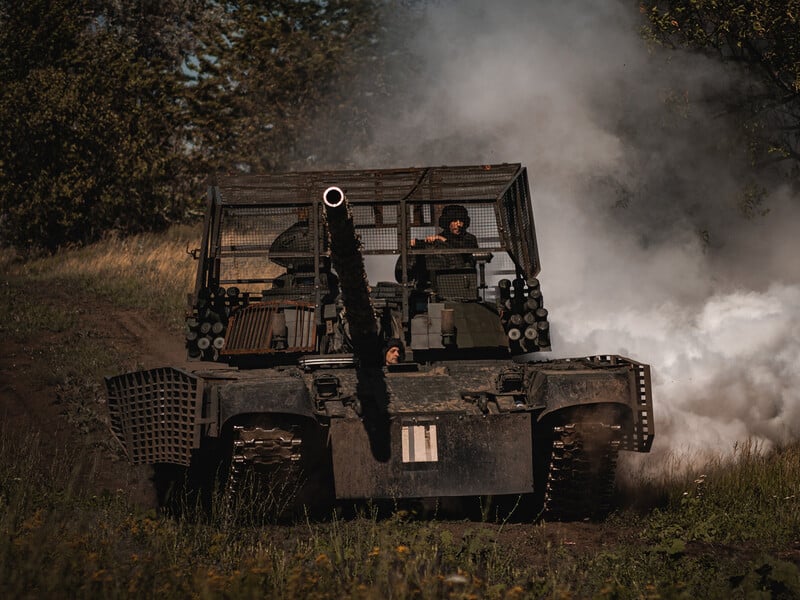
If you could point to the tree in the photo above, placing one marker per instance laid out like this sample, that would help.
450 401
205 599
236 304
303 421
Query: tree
763 38
112 112
270 72
87 117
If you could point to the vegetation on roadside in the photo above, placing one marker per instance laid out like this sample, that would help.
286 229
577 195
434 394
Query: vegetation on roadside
728 529
150 271
45 301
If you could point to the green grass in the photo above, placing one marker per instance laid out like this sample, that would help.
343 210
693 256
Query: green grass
752 497
728 529
148 271
59 540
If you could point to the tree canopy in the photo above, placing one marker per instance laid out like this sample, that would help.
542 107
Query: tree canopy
762 38
111 112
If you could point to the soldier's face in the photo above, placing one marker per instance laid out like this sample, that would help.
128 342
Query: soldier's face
393 355
456 227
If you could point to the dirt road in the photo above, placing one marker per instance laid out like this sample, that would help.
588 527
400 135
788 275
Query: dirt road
48 397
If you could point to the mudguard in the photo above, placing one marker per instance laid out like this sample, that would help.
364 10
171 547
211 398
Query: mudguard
598 380
286 395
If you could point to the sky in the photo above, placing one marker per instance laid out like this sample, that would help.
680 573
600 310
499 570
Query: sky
635 193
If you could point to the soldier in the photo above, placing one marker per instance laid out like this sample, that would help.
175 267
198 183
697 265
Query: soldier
454 222
435 270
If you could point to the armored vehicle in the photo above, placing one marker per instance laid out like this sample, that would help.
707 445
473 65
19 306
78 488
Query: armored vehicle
381 334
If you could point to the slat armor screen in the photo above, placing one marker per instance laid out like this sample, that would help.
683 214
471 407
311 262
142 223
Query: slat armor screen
253 330
256 244
155 415
268 223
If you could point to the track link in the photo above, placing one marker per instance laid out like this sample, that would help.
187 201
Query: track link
580 477
264 475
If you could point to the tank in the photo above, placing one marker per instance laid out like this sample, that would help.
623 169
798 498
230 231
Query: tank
381 334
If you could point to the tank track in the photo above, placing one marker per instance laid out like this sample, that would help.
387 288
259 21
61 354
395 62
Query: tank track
580 477
264 475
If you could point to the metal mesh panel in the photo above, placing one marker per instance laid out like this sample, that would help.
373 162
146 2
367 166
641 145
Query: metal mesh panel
386 185
256 243
255 228
457 183
456 285
376 226
383 239
257 211
155 414
518 224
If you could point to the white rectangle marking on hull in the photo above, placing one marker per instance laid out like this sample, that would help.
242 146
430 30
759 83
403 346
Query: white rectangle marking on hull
419 443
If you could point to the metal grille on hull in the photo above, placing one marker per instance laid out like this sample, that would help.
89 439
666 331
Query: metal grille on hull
252 329
155 414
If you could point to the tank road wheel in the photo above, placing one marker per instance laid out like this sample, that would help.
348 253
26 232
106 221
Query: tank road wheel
279 468
577 461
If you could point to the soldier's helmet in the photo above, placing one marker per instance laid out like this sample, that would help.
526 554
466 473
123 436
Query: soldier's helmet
453 212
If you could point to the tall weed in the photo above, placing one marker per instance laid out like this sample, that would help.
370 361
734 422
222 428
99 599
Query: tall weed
752 495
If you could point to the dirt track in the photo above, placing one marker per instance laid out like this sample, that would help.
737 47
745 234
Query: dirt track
32 396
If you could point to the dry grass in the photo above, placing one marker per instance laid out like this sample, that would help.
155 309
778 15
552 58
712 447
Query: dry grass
153 271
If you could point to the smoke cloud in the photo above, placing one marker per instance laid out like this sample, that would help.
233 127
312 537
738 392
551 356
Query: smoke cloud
637 186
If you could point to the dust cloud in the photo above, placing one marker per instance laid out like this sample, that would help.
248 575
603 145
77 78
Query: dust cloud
638 187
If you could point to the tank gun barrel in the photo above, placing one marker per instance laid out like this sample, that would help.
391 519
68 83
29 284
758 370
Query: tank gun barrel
349 264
